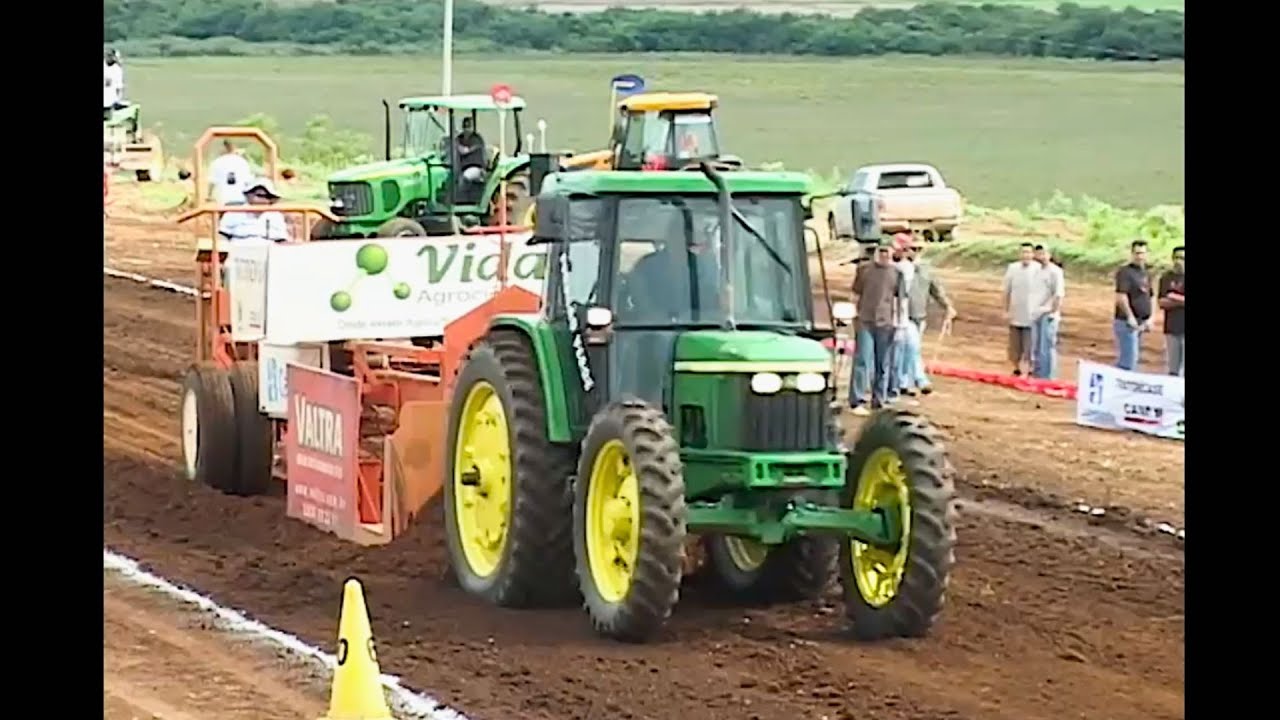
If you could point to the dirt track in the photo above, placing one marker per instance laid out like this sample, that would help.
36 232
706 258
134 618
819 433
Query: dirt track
1040 623
160 662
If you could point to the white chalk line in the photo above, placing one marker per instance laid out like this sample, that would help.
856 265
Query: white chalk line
162 284
403 700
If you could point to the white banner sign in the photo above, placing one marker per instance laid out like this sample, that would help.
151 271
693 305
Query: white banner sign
388 287
1116 399
247 283
273 376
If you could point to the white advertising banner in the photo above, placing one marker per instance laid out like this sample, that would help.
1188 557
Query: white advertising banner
388 287
1116 399
247 283
273 376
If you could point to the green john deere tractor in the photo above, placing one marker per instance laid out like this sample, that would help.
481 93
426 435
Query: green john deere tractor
434 188
674 384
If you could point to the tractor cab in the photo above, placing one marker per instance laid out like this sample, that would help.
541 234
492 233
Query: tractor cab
456 153
653 300
665 131
459 138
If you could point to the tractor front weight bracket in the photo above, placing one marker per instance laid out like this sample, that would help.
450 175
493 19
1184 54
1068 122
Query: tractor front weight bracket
880 527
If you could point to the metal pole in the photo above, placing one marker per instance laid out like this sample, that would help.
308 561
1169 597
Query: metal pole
446 69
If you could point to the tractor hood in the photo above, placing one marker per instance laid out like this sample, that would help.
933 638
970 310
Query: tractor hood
749 351
381 170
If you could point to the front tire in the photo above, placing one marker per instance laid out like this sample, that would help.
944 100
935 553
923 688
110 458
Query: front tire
401 227
629 521
799 569
899 464
507 505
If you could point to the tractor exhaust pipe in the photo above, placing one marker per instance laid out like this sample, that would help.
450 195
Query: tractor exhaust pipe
726 231
386 130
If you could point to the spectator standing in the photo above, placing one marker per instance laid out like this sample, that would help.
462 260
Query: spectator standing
1047 295
878 290
902 328
863 346
924 285
1172 291
1133 306
1019 282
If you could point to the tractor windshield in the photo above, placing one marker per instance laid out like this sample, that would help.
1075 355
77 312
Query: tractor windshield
666 136
424 130
670 258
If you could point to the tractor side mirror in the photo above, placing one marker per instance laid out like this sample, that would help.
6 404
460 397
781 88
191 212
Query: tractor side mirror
842 312
599 318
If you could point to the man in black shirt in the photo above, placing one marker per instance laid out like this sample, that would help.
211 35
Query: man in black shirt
1133 306
1173 301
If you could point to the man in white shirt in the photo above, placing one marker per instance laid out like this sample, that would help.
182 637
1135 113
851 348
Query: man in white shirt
229 176
1048 290
269 226
1019 280
112 84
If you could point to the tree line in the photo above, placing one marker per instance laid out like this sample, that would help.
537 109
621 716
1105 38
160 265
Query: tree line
391 26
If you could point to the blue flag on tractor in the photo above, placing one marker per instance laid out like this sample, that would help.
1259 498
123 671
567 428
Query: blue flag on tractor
624 85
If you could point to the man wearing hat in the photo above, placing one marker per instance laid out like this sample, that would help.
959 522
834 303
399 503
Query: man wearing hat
879 291
269 225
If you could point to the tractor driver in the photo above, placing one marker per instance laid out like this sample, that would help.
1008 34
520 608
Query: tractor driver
269 225
670 282
472 159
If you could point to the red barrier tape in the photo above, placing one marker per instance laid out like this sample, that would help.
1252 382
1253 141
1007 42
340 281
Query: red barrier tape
1049 388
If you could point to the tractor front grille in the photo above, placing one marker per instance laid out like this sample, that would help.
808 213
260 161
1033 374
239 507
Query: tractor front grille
351 198
785 421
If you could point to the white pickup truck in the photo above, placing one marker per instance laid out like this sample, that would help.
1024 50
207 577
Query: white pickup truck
910 198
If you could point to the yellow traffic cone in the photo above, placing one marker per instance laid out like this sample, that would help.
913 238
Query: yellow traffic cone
357 685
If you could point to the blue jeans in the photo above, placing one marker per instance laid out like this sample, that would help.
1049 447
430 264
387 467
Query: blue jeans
1044 347
882 382
863 362
1128 345
910 358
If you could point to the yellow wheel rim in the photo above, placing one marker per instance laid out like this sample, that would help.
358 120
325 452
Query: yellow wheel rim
882 485
612 521
530 216
482 479
745 554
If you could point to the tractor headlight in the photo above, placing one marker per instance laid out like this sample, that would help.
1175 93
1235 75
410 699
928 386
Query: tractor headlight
766 383
811 382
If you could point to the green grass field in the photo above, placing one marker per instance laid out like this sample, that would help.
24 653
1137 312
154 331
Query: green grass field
832 7
1005 132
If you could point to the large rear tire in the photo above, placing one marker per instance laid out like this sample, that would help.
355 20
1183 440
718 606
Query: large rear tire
506 500
254 438
899 464
796 570
208 427
629 521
